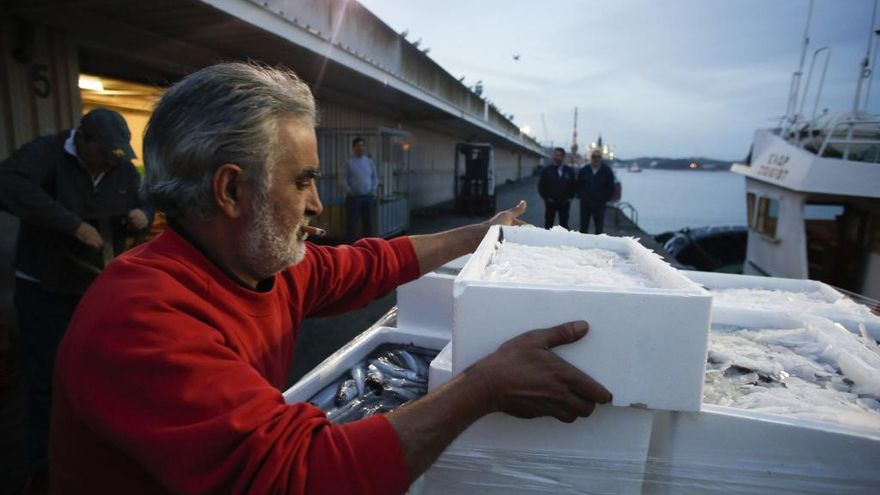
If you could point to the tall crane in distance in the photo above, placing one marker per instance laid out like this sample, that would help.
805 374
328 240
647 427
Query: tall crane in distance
546 135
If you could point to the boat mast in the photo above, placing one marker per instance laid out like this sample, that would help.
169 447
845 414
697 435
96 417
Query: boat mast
574 138
865 67
791 109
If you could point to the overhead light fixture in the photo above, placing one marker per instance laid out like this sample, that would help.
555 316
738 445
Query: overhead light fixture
91 83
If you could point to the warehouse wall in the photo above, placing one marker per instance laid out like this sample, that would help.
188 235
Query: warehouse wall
432 152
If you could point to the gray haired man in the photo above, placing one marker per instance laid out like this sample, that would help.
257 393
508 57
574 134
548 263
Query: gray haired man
173 386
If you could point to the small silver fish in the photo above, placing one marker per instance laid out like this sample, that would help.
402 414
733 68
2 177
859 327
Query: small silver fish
387 368
359 377
375 379
326 398
346 392
400 393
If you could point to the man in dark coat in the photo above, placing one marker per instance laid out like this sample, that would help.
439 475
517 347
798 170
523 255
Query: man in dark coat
77 196
595 186
556 186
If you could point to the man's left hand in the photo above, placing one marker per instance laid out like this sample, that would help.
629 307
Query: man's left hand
137 219
509 216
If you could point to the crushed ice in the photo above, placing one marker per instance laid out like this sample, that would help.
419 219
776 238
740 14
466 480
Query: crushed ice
813 302
563 265
820 371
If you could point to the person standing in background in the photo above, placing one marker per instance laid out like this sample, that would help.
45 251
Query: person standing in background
360 181
557 187
595 187
77 196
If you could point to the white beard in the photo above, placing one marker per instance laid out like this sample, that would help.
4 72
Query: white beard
271 246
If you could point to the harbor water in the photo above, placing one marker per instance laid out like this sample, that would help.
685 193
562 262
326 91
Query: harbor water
669 200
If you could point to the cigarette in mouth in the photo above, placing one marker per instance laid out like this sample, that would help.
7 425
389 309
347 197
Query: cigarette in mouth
315 231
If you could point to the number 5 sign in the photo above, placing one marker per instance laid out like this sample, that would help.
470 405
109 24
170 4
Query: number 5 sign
40 83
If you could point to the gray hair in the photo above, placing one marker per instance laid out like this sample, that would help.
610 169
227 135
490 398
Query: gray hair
225 113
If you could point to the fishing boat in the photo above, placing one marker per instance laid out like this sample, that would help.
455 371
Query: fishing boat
634 168
812 191
813 188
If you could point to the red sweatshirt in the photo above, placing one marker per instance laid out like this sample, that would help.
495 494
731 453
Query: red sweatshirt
168 379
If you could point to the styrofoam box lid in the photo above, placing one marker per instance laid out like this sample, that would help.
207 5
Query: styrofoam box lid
355 351
716 281
667 279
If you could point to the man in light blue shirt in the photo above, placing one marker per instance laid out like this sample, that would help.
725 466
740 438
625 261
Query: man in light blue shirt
360 180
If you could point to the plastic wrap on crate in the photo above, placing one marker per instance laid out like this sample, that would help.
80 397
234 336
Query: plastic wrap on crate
623 434
735 294
647 345
714 452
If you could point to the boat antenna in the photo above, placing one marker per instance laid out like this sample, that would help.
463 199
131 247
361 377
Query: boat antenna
865 66
791 109
574 137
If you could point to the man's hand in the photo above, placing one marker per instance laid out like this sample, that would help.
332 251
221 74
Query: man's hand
509 216
524 379
137 219
89 236
433 250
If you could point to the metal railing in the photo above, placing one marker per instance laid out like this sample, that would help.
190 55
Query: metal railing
841 135
627 210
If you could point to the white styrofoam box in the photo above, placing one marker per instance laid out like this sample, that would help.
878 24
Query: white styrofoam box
427 301
355 351
440 371
821 291
646 345
723 450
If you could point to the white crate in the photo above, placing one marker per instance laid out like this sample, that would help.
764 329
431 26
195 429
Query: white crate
646 345
355 351
426 303
833 305
440 371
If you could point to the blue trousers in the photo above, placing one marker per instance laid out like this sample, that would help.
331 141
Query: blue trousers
359 208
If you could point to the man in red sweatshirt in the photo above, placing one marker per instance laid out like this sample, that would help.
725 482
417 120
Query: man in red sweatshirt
168 380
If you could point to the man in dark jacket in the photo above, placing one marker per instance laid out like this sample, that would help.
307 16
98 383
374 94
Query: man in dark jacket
595 186
77 195
556 186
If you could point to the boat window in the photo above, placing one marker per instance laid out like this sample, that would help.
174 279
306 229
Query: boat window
768 216
750 209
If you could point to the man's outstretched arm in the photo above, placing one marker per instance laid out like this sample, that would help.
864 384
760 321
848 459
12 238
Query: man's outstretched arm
434 250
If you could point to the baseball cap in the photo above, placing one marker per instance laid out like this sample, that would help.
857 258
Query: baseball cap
109 130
